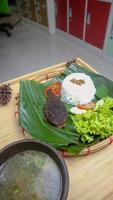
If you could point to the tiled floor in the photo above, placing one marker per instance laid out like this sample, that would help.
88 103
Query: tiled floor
30 49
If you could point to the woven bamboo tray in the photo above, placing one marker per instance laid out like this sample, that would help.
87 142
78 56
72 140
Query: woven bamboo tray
51 73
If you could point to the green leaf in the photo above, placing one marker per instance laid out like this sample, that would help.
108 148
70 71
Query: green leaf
75 149
32 119
102 91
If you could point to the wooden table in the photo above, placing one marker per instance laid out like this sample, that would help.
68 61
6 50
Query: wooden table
91 177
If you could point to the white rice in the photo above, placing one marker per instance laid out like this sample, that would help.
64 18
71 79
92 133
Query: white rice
74 94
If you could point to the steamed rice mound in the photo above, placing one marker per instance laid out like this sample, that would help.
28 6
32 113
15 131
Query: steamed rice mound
77 88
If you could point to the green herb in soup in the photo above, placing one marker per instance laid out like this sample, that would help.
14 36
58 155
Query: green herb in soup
30 175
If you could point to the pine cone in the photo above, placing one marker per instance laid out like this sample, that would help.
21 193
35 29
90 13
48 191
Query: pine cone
72 61
5 94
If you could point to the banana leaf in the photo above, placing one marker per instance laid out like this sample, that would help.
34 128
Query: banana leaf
32 119
32 103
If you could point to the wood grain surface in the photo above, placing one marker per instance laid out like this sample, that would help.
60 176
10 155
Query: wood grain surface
91 177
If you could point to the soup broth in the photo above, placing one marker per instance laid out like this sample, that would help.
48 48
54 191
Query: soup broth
30 175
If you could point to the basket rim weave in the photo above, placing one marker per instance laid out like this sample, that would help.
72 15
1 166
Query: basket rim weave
87 150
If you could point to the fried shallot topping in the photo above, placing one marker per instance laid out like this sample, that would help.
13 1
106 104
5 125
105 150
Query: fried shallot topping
78 81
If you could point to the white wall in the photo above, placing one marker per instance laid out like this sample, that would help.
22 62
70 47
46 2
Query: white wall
51 16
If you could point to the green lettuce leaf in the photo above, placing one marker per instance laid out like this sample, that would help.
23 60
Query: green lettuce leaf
95 122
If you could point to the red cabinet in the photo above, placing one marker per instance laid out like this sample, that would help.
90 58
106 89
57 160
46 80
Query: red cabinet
76 17
61 14
96 22
84 19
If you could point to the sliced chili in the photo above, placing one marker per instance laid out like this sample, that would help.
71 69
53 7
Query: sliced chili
54 87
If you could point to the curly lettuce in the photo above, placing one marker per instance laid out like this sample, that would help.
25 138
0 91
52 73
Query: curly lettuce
95 122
